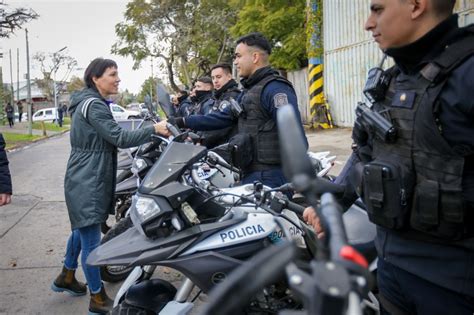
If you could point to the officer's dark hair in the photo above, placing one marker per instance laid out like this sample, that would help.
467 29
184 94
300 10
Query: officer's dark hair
183 93
96 69
205 79
443 7
225 66
256 40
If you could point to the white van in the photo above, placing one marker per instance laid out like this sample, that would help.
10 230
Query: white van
45 114
121 113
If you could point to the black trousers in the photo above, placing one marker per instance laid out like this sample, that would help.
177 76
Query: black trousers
405 293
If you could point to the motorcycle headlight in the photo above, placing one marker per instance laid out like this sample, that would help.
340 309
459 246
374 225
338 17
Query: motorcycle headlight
138 165
145 208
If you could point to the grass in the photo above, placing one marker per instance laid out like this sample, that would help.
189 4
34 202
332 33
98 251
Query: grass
14 139
50 126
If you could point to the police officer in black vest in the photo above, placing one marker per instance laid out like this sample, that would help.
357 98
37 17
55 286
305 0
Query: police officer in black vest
202 97
226 89
264 92
419 186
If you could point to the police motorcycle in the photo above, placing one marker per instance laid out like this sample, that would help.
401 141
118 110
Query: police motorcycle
145 157
336 281
180 224
204 253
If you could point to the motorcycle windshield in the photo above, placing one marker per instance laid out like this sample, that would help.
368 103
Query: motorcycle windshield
171 164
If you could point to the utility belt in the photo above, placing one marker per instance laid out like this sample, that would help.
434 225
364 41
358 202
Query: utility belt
398 199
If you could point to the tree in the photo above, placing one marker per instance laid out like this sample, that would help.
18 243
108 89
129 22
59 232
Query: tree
283 23
148 88
188 36
49 64
124 98
13 19
75 84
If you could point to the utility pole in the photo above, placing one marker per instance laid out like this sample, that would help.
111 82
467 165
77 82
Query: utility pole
28 86
54 70
11 80
152 82
18 74
2 99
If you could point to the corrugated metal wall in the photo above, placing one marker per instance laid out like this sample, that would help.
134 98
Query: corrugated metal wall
350 52
299 79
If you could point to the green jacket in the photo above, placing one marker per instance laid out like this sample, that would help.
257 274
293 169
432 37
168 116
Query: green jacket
89 184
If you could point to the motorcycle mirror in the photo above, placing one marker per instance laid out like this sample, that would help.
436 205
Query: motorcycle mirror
297 166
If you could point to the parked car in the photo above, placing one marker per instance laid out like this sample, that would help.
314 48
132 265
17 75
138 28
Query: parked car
139 107
24 117
45 114
121 113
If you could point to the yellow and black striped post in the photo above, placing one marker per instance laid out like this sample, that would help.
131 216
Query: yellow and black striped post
320 115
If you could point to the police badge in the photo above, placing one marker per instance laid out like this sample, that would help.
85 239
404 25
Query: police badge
280 99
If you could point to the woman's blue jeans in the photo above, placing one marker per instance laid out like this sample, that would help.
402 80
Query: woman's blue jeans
85 239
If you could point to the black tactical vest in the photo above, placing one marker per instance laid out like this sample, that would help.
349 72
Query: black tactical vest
415 184
261 127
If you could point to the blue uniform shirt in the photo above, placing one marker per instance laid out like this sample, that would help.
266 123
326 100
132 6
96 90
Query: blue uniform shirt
272 92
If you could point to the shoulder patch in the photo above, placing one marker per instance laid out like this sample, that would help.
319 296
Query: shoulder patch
280 99
223 105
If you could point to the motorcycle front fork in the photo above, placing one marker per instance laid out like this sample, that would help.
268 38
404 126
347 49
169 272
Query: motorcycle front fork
184 291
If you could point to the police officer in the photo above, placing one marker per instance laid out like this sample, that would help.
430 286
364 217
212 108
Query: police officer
225 90
264 92
184 104
419 189
202 97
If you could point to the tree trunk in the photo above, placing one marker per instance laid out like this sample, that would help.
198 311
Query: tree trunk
169 67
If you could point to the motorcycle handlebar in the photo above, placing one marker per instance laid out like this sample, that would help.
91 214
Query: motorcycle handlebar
331 213
174 131
217 159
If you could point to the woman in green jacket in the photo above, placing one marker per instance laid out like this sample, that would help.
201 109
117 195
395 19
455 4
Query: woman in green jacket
89 183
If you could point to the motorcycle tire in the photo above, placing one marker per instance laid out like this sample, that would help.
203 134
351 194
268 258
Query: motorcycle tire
126 309
116 273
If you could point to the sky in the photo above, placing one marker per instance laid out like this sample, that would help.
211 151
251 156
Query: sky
86 27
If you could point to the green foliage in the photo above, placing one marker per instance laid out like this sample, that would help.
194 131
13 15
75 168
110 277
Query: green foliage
49 126
124 98
188 36
283 23
75 84
147 87
314 30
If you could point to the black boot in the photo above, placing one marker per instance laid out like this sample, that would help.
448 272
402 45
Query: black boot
100 303
66 281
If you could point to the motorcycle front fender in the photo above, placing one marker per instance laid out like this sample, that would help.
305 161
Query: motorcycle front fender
132 279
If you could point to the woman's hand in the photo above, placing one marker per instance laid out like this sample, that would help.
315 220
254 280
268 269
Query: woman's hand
160 128
310 216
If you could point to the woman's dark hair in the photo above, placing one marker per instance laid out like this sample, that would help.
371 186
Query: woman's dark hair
256 40
96 69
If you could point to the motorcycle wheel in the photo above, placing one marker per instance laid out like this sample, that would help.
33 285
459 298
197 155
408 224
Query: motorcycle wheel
116 273
126 309
111 221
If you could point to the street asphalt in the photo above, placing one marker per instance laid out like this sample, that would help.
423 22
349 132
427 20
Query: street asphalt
34 228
